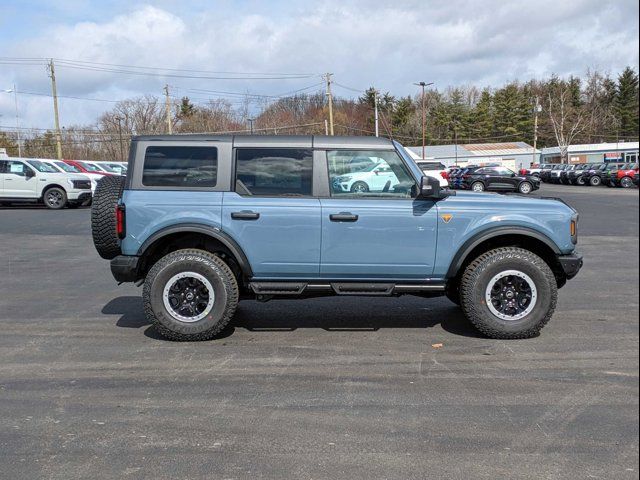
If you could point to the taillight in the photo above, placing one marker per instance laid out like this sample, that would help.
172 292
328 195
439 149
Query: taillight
120 221
444 175
466 175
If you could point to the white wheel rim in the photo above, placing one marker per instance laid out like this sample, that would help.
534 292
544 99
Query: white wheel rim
184 292
509 303
478 187
525 188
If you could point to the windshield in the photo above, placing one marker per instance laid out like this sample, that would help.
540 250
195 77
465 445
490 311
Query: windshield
42 167
68 168
91 167
110 168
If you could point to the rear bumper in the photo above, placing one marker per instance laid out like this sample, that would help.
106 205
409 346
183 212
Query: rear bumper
124 268
571 264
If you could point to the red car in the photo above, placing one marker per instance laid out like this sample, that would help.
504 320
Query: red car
624 177
87 167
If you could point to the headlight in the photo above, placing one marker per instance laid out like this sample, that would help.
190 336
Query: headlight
70 182
344 179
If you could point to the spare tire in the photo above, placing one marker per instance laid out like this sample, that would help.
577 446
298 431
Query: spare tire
103 216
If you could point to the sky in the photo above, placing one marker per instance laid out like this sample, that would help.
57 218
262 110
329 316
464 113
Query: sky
275 47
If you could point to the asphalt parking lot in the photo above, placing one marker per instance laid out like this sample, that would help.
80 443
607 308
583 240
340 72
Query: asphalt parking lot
326 388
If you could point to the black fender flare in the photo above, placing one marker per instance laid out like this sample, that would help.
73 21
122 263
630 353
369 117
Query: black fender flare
493 232
213 232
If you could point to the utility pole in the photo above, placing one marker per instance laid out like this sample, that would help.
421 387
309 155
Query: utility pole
251 120
15 98
424 115
330 97
326 127
167 107
536 109
54 91
119 120
375 108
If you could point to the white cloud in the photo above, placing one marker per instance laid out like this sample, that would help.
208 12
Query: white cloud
361 42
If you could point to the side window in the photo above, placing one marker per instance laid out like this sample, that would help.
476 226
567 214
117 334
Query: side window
274 171
3 166
371 173
180 167
17 168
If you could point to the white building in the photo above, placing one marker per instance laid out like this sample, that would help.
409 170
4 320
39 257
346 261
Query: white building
594 153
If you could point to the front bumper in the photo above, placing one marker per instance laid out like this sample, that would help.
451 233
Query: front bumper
571 264
124 268
79 195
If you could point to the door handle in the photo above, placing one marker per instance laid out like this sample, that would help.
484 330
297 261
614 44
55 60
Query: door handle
245 215
343 217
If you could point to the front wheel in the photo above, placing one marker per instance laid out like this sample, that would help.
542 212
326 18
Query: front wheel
580 180
359 187
595 181
626 182
477 187
190 295
508 293
55 198
525 188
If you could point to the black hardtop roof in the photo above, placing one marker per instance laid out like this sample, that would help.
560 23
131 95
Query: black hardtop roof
319 141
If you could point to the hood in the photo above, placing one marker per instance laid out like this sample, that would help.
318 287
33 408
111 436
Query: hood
491 200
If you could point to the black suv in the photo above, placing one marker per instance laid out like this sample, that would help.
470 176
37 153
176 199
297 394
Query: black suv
597 173
574 177
500 179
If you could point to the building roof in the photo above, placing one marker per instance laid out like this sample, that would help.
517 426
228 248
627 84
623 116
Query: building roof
594 147
475 150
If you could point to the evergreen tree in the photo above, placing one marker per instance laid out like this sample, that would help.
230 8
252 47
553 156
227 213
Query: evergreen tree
626 103
187 109
482 116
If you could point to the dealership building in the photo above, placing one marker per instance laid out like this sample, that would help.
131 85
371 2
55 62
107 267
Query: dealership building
513 155
594 153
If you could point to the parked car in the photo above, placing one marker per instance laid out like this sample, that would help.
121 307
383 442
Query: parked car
87 167
32 181
435 170
564 174
69 168
457 180
535 169
554 173
500 179
624 176
112 167
545 172
636 178
594 176
265 220
574 176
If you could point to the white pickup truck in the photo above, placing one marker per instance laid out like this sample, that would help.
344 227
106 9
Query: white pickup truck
33 181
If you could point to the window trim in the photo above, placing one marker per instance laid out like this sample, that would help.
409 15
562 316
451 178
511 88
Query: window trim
234 171
327 179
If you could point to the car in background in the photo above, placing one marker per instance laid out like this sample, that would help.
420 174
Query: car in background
112 167
624 176
536 168
375 177
456 180
434 169
27 180
574 176
545 171
88 167
500 179
594 176
554 173
564 174
68 168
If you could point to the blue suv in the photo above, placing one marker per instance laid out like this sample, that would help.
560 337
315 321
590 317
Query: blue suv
206 221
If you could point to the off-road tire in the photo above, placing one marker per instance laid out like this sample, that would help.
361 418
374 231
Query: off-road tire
103 216
210 266
62 195
479 273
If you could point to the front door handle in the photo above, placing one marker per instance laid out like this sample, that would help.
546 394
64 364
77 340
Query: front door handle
343 217
245 215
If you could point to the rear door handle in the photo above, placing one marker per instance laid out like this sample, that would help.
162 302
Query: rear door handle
245 215
343 217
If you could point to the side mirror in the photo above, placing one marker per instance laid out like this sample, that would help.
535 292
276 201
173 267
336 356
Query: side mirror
430 188
29 173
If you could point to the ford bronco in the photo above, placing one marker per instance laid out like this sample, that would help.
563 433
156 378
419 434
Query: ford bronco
205 221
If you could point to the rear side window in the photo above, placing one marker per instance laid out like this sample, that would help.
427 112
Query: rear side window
274 171
180 167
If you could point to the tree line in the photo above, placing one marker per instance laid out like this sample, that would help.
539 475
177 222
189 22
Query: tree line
596 107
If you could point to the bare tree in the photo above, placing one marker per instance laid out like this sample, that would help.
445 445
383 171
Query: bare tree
566 119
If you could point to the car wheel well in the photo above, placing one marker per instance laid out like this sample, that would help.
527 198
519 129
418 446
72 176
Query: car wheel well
184 240
50 186
526 242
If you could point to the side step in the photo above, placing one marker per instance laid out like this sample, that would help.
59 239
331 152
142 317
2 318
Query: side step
278 288
342 288
363 288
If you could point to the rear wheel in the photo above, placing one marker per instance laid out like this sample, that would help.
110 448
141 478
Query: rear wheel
477 187
359 187
55 198
508 293
190 295
626 182
595 181
580 180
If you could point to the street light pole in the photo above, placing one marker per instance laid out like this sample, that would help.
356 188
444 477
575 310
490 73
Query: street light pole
424 115
15 99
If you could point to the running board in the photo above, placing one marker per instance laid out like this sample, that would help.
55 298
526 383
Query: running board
342 288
